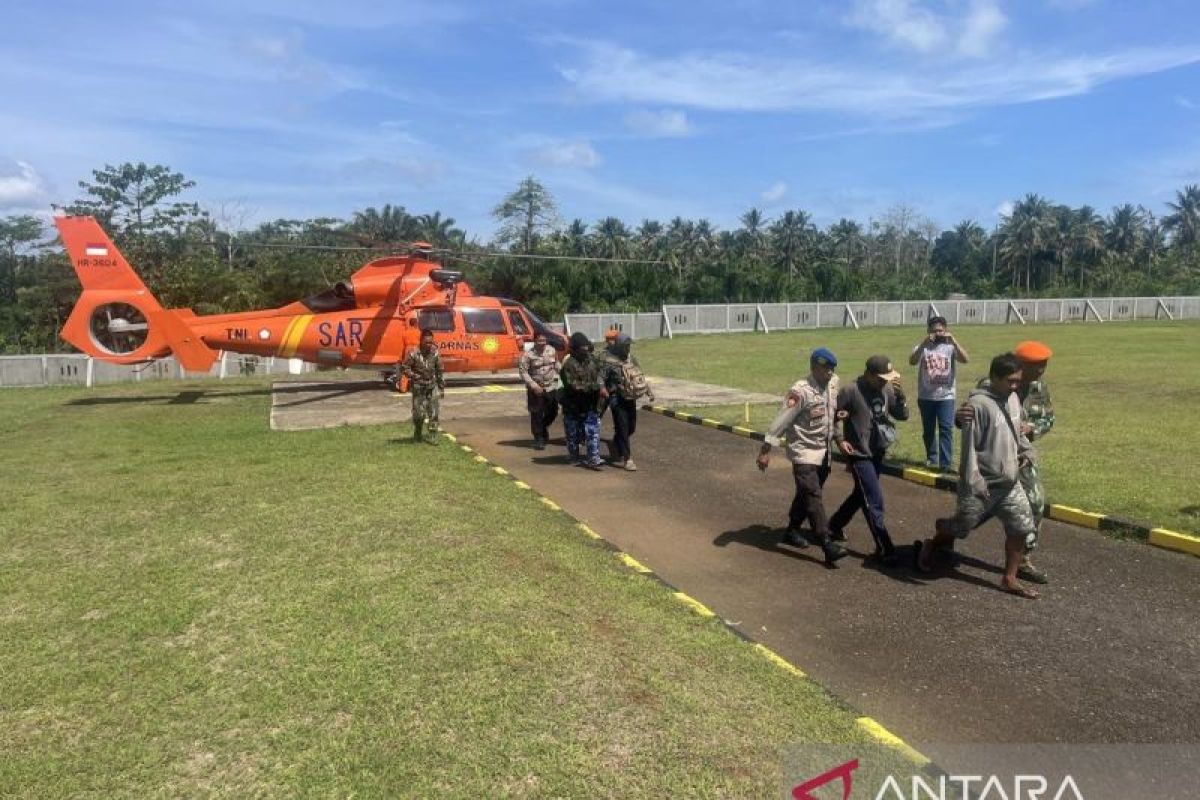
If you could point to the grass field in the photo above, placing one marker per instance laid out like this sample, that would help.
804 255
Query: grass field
1126 432
193 605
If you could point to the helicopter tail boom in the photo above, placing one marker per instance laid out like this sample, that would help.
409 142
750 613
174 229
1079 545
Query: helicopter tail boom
116 318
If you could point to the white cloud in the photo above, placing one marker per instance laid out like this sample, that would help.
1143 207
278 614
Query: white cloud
982 26
21 186
664 124
1186 102
904 22
910 25
751 82
558 153
1004 209
775 192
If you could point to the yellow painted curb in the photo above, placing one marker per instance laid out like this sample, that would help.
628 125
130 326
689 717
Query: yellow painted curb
450 436
884 736
779 660
633 563
480 459
694 604
740 431
550 504
1076 515
588 531
521 484
1172 540
920 476
500 470
466 448
709 423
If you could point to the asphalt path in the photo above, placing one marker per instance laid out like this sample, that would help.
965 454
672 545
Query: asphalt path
1109 654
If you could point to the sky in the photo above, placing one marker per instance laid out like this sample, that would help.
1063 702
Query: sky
699 109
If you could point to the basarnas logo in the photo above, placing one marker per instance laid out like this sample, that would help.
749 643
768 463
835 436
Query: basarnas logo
941 787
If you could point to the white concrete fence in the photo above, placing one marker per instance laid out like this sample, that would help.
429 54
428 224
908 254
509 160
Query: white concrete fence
674 320
54 369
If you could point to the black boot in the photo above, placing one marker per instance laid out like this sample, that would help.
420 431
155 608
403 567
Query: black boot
794 537
833 551
417 426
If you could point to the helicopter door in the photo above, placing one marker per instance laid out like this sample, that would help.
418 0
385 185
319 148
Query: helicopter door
520 327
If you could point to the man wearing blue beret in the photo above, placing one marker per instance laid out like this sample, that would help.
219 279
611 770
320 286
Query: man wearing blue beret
804 428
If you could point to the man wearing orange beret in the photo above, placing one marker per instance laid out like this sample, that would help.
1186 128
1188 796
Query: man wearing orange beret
1037 418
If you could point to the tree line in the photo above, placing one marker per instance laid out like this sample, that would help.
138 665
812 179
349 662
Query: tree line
208 260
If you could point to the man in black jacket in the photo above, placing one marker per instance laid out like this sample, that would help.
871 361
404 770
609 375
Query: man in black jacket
866 409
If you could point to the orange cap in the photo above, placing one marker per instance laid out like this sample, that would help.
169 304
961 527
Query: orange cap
1032 351
611 335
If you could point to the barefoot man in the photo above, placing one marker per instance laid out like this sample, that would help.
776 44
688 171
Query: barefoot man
993 452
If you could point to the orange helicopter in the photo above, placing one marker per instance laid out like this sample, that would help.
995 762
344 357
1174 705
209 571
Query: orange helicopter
370 320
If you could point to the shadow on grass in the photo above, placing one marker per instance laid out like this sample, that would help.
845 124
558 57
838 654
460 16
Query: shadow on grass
191 396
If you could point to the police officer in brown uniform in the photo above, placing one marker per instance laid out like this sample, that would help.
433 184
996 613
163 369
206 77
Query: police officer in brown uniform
538 368
804 427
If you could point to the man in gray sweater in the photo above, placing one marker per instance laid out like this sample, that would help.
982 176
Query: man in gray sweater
994 449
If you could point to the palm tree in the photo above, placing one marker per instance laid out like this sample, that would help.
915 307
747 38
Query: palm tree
846 235
1085 236
383 226
1183 222
612 238
1125 230
790 236
436 230
1024 233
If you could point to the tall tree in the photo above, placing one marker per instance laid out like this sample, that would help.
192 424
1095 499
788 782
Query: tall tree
16 232
130 200
525 214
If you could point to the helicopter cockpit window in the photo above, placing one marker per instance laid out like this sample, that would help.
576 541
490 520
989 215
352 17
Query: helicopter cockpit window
518 323
435 319
483 320
335 299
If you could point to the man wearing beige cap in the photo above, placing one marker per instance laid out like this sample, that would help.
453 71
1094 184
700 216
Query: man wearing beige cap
866 409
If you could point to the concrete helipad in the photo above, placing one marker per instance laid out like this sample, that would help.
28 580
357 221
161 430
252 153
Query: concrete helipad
307 405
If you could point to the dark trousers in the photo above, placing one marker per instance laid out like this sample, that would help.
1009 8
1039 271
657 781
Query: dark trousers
808 504
624 416
867 496
937 421
543 410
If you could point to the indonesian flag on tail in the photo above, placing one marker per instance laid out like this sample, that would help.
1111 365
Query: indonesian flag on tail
96 250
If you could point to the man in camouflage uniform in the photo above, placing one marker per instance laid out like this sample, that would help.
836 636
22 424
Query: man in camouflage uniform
582 398
423 368
1037 418
804 427
538 368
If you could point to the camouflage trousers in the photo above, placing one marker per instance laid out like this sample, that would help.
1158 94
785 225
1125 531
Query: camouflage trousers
1012 509
583 430
426 406
1031 482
